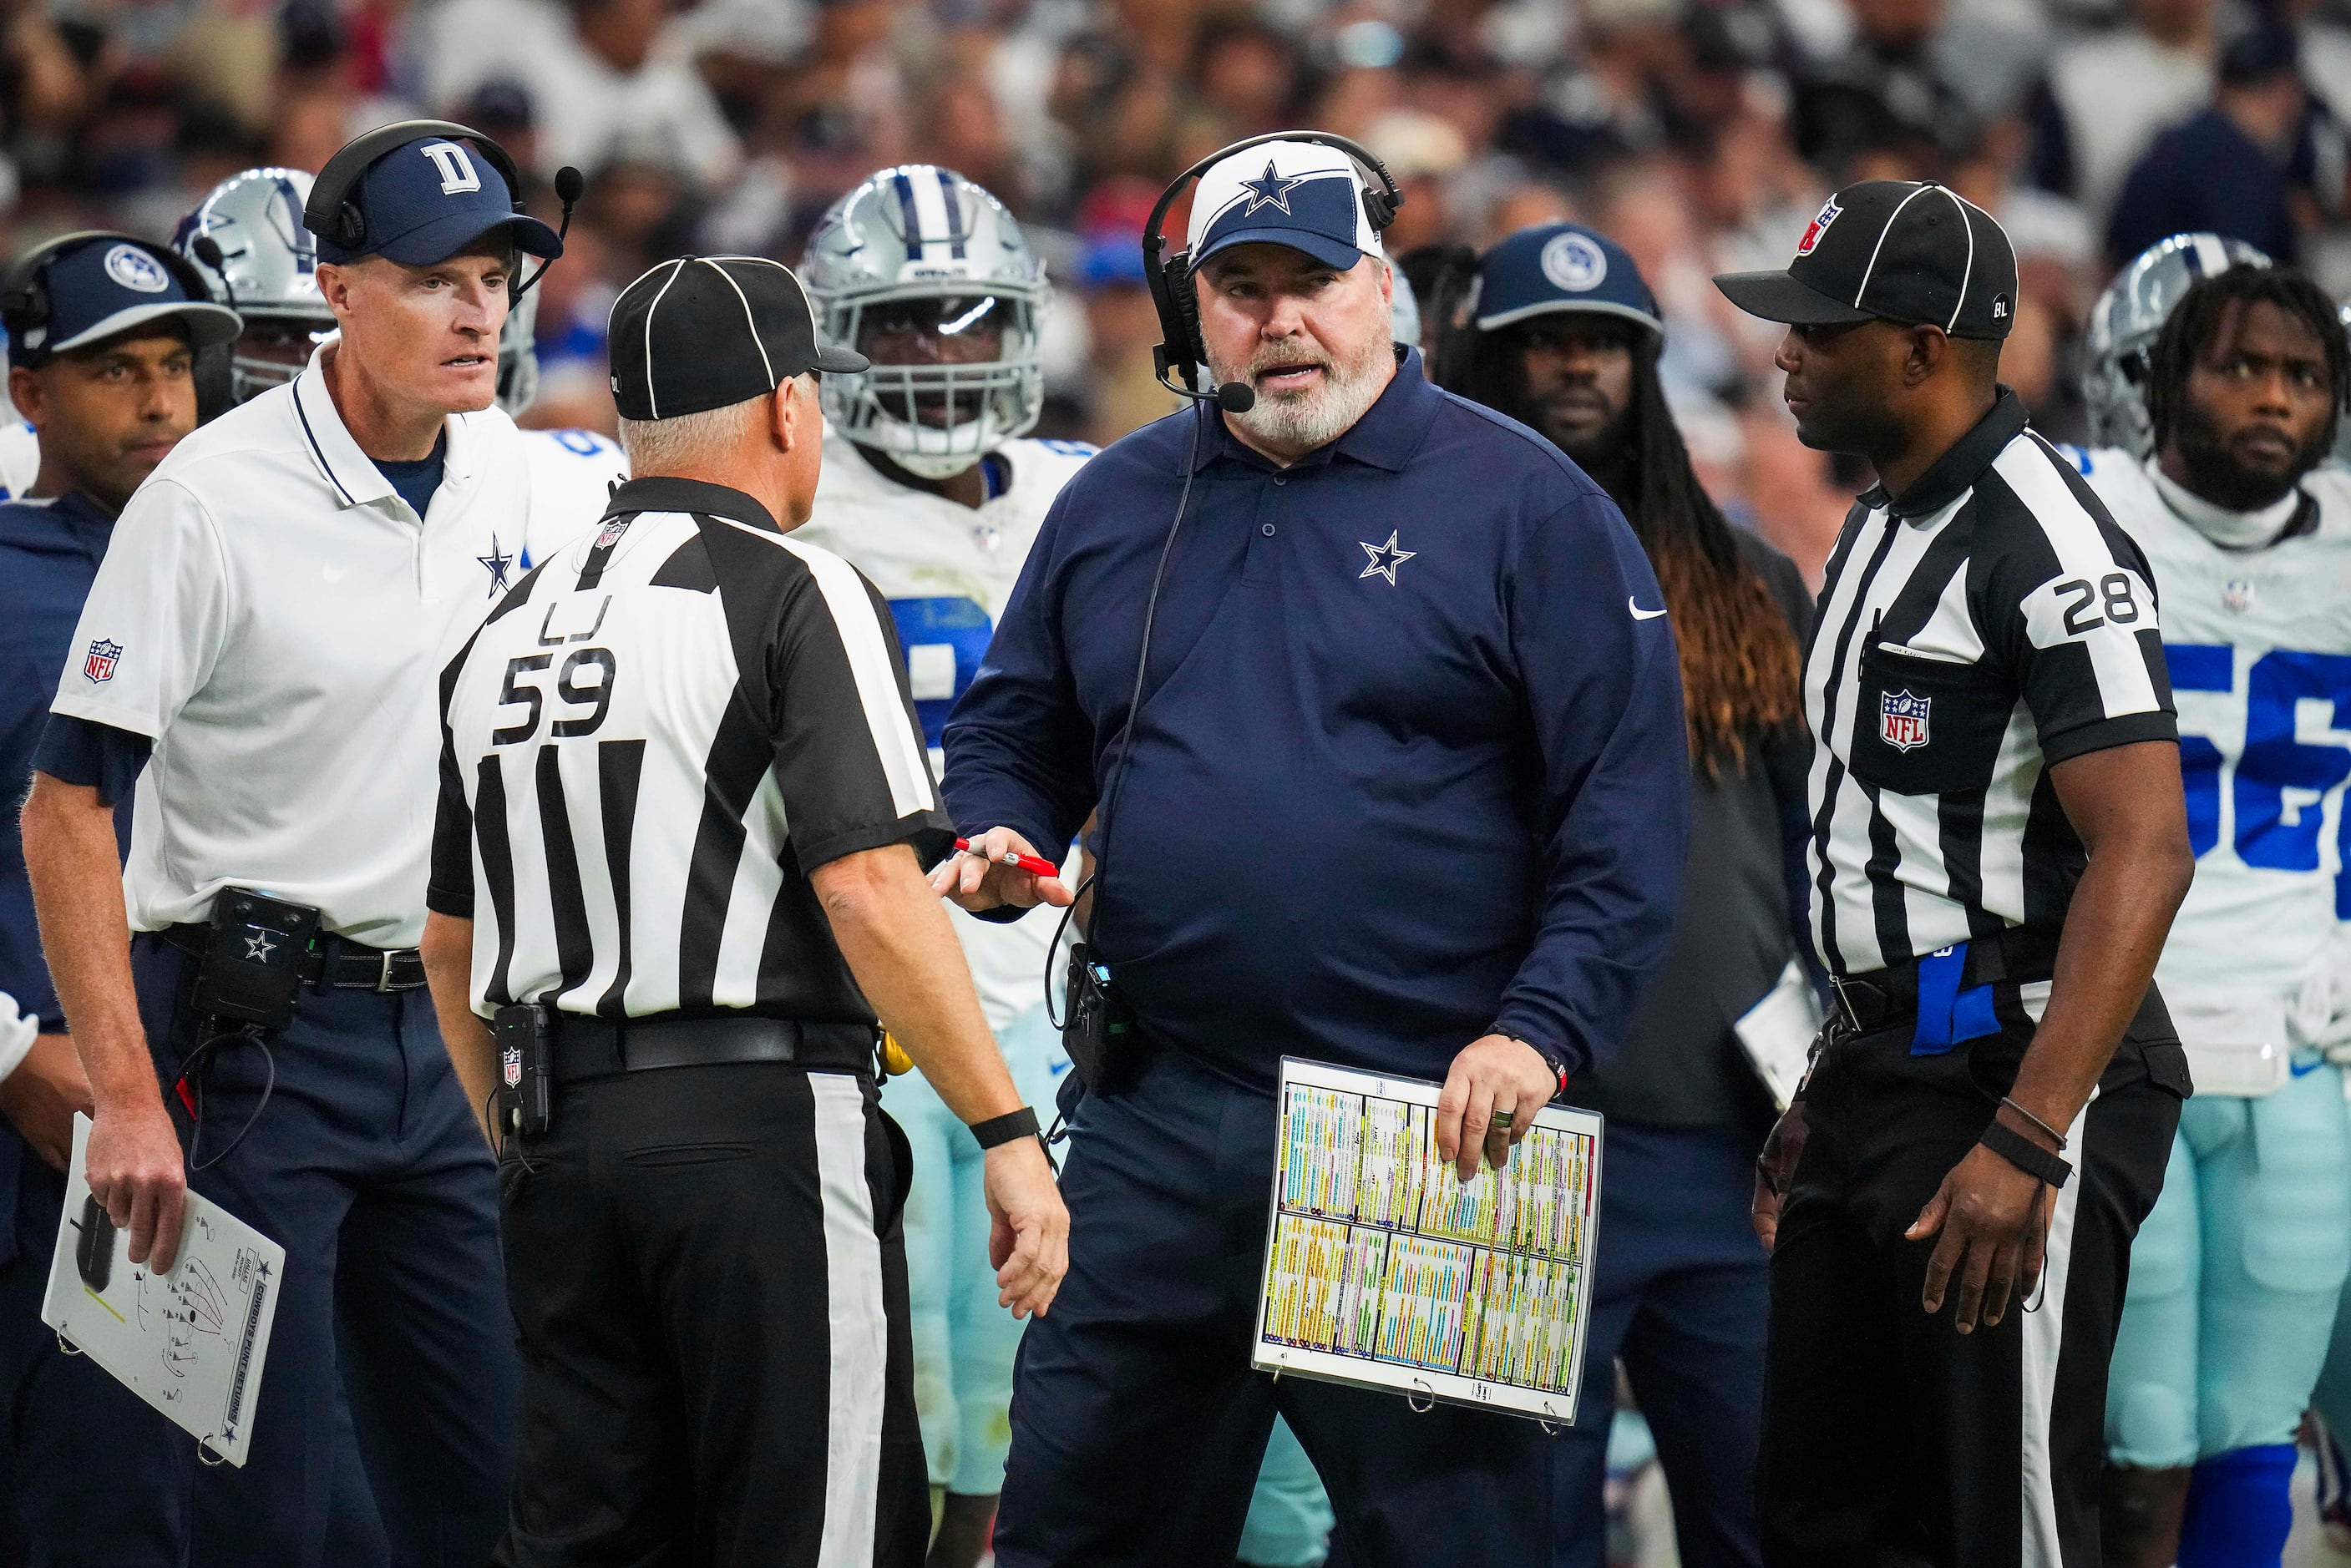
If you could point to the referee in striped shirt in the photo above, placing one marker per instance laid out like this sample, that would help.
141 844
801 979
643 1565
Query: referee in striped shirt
1999 844
682 767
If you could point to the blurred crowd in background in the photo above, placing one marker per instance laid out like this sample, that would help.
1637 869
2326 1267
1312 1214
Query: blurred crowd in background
1701 134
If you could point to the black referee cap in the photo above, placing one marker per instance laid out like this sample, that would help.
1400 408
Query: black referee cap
702 332
1891 250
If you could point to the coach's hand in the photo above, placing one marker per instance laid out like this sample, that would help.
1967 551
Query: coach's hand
1994 1222
1774 1169
136 1169
1490 1102
977 879
1029 1229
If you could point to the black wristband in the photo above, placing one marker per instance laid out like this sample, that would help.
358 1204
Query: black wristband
995 1130
2024 1154
1551 1059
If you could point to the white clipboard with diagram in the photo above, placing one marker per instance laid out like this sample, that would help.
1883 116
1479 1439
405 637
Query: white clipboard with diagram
191 1342
1384 1270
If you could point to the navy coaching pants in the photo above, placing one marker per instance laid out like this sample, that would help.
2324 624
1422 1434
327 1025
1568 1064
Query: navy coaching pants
1137 1425
1682 1292
366 1165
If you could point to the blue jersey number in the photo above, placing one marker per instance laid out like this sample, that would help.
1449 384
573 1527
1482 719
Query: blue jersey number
2272 831
943 640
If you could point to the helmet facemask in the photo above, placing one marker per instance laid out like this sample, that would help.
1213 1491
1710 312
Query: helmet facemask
931 410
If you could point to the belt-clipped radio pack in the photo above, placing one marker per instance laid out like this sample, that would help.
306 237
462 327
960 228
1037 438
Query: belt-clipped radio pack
252 965
526 1041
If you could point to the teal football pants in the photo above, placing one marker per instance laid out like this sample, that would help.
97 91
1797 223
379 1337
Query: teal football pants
963 1342
2236 1276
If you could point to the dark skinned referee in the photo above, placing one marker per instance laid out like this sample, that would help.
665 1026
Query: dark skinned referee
1999 844
686 811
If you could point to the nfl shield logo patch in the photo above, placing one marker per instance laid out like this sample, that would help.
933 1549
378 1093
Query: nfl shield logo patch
1902 719
1829 213
611 534
512 1064
99 665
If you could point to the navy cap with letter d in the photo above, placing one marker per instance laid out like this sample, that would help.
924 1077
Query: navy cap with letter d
430 199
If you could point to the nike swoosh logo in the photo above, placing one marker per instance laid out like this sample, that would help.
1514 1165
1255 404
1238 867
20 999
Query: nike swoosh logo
1639 613
2305 1072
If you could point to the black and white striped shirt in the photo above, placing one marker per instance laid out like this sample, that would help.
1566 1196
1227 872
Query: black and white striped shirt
1990 623
648 746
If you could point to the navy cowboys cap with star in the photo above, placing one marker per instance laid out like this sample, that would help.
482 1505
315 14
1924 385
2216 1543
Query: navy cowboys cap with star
103 286
1555 269
1302 194
430 199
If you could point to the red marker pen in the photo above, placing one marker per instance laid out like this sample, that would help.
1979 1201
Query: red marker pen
1029 863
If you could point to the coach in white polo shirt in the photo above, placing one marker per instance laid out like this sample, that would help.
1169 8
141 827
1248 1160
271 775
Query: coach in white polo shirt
269 626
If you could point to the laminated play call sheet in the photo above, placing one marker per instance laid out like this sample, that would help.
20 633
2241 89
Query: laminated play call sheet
1384 1268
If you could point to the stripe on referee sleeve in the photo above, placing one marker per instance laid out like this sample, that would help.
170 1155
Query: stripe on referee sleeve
859 1337
896 743
2081 551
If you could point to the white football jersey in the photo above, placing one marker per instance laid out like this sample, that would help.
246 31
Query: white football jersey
572 472
20 459
947 570
2259 645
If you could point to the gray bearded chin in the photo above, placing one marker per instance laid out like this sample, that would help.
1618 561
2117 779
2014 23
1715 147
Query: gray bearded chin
1316 417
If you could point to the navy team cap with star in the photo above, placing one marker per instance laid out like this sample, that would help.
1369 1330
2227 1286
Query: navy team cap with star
430 199
107 284
1302 194
1557 269
1905 251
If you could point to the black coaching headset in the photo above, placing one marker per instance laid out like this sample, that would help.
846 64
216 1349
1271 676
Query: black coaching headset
331 214
1170 276
25 293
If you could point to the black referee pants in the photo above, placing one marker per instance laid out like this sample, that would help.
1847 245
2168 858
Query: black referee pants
1890 1438
710 1284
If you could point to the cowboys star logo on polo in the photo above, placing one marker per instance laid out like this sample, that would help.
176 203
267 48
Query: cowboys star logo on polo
98 666
1829 213
1902 719
510 1066
498 563
1385 558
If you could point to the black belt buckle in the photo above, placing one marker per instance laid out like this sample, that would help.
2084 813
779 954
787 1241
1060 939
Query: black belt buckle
526 1041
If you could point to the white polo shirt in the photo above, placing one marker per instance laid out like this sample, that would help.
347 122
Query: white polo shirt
274 617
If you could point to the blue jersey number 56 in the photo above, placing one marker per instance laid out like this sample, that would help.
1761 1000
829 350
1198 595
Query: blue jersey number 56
2273 760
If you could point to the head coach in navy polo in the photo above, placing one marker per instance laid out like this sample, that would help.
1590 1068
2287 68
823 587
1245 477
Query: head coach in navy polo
1999 844
104 332
263 639
1376 699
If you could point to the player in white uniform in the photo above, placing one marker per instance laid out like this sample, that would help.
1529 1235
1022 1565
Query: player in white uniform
20 458
573 470
2236 1274
930 490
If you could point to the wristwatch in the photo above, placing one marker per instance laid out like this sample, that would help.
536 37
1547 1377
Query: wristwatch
1551 1059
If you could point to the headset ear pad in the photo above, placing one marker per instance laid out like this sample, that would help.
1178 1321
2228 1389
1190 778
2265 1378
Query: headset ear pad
1379 208
1187 301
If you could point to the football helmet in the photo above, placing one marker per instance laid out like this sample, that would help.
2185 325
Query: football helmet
267 273
902 268
2129 317
519 356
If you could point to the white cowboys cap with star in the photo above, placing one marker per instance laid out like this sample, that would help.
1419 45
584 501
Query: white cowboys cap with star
1302 194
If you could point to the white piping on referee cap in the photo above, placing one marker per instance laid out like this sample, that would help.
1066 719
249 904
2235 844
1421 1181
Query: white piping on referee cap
749 320
1890 219
1968 272
652 399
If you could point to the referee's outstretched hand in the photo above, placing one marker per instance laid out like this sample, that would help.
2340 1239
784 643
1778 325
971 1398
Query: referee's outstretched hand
136 1169
978 879
1029 1229
1994 1221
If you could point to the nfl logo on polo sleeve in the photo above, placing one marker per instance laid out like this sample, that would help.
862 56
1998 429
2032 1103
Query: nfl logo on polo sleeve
1902 719
98 666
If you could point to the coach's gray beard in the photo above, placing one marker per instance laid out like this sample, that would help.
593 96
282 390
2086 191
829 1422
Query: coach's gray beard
1311 418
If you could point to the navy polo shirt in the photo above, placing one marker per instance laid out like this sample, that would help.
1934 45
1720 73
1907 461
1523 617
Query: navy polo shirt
49 551
1410 761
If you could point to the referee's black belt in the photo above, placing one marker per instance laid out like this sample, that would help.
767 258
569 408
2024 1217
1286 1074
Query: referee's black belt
1883 998
602 1048
335 961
